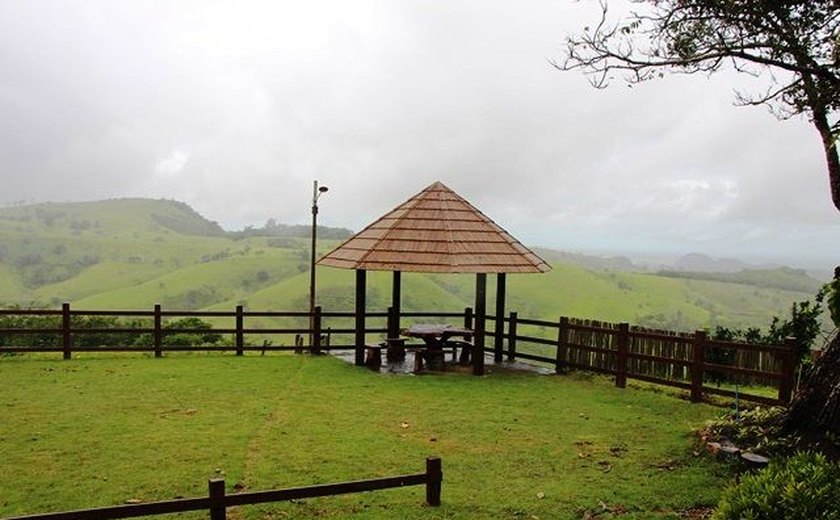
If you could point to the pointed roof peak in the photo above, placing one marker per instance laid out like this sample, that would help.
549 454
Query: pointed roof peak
435 231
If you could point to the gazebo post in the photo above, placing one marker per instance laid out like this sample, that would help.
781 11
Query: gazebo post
499 330
361 291
396 290
480 323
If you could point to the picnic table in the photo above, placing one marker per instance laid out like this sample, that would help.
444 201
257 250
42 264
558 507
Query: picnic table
438 339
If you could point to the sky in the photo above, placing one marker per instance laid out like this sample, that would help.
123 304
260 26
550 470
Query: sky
237 107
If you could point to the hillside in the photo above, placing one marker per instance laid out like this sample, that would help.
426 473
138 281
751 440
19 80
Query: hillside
133 253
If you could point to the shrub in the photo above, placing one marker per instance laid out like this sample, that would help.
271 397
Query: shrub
805 486
758 429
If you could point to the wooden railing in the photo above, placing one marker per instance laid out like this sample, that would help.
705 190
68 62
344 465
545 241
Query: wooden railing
681 360
217 501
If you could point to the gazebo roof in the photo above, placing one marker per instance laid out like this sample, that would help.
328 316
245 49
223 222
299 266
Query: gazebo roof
436 231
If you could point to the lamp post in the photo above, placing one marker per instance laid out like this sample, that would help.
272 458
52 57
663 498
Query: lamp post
316 193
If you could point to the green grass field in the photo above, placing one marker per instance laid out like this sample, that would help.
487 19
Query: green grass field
97 431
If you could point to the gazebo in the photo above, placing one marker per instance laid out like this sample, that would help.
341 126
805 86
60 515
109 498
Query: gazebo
435 231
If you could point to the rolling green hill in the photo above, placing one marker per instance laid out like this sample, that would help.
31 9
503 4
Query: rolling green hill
133 253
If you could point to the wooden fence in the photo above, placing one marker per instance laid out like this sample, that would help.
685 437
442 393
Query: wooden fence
692 362
689 361
217 501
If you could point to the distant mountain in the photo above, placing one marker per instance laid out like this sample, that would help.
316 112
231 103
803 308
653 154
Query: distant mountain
116 216
109 217
596 263
699 262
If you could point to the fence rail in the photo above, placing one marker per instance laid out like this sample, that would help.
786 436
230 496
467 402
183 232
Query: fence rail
688 361
681 360
217 501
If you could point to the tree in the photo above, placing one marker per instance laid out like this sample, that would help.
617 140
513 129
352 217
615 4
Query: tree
793 44
816 408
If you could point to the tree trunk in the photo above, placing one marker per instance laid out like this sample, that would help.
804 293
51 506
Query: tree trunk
819 117
831 158
815 410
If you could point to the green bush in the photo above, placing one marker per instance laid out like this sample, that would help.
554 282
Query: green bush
757 429
805 486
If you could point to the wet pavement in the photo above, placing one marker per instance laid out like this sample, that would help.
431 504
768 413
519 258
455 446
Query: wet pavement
406 366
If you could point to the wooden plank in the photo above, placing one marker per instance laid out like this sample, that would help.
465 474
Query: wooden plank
621 355
697 366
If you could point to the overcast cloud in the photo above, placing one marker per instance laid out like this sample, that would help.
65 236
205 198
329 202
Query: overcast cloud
236 107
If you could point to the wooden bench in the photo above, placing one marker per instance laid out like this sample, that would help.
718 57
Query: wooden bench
421 357
373 356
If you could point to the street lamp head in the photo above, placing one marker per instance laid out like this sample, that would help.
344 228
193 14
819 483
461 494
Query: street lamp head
323 189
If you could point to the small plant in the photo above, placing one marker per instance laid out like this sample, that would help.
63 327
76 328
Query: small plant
805 486
758 429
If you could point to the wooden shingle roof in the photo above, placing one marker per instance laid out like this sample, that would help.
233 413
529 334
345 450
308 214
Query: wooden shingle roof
436 231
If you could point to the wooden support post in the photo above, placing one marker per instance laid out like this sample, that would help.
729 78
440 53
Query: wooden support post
562 345
512 337
499 330
396 291
361 291
434 478
480 323
697 368
623 345
217 499
157 334
66 331
240 334
393 323
786 383
315 348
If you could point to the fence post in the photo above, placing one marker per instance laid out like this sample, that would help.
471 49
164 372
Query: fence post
621 355
158 332
66 334
217 498
315 348
468 321
562 344
512 337
434 477
699 346
788 371
240 334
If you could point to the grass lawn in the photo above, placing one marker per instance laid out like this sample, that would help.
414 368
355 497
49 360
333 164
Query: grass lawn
99 431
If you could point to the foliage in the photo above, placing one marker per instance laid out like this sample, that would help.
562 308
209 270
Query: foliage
784 278
833 300
758 430
804 325
274 229
792 45
803 487
199 334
